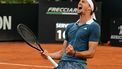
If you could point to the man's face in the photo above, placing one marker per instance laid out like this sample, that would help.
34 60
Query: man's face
83 7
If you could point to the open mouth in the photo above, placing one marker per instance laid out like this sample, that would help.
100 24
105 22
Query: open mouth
79 8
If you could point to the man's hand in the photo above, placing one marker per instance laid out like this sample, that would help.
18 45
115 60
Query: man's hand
44 54
70 50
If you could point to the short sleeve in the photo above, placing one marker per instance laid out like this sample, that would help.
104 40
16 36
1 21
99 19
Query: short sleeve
94 32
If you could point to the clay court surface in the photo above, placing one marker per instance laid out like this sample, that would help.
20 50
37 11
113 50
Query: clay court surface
18 55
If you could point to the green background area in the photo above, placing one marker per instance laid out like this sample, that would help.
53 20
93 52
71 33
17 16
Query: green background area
19 1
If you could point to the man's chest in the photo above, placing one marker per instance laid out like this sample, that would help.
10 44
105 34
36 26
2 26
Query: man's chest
78 32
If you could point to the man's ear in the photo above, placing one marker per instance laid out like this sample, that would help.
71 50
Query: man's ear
89 9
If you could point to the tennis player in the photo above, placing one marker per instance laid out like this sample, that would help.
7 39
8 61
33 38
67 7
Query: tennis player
81 39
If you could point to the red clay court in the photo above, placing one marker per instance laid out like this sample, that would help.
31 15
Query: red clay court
17 55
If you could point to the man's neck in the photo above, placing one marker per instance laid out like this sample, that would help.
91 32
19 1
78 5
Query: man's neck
84 19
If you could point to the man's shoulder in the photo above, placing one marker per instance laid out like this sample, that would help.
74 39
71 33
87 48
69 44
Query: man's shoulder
70 24
95 24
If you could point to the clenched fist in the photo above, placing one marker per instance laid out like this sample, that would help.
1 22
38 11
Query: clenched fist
70 50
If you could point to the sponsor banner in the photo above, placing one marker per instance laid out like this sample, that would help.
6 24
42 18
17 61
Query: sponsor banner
116 32
5 22
60 31
13 14
61 11
53 19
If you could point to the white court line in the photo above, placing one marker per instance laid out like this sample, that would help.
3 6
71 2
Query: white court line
25 65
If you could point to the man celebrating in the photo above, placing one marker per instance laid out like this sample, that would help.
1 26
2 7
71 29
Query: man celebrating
81 39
